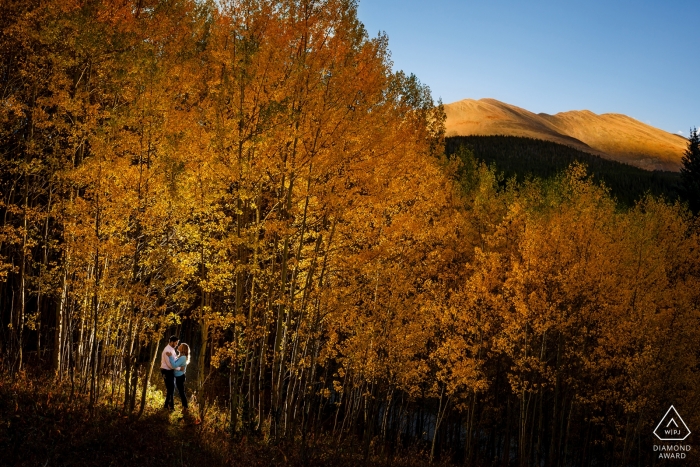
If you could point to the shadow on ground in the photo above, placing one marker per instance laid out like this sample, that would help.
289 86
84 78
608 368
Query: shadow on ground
40 426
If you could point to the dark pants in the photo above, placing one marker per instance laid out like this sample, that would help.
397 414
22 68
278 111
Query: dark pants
180 382
169 377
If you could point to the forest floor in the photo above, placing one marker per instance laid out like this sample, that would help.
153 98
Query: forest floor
40 425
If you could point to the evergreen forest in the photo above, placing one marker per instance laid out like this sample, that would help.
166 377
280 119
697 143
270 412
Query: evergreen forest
527 158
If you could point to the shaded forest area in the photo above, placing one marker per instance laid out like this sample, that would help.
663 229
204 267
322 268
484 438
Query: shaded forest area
253 176
527 157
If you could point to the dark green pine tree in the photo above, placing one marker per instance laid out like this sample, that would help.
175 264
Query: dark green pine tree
690 172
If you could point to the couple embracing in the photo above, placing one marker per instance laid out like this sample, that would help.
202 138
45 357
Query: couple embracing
173 365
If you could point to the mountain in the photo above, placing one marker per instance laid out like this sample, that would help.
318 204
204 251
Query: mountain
612 136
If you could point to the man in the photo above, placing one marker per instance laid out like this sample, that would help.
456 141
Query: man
168 372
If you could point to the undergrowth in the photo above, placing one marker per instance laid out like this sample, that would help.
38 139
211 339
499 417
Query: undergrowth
40 425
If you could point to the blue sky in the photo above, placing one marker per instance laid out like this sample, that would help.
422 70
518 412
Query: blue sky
638 58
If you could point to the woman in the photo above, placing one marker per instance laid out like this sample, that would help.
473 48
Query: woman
180 366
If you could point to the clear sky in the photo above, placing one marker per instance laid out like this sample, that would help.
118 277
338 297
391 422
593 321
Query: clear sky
639 58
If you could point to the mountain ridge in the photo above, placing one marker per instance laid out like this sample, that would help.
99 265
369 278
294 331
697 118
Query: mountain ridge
612 136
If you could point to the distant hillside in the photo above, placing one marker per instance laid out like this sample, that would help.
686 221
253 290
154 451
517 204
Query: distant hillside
611 136
523 157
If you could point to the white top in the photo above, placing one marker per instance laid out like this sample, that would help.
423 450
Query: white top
164 360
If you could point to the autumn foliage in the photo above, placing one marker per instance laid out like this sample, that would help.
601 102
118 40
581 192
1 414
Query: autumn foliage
253 176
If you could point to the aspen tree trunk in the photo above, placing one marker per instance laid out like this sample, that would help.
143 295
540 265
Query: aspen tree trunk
283 314
62 308
470 427
233 398
438 419
292 289
7 339
263 366
204 338
308 391
25 229
253 394
555 441
316 325
59 329
135 371
95 300
147 378
234 392
128 364
42 273
23 276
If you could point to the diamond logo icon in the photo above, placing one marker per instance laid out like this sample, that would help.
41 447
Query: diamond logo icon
672 427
